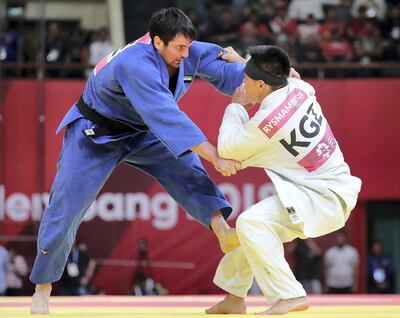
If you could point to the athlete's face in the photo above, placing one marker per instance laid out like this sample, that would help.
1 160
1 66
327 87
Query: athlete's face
175 52
253 88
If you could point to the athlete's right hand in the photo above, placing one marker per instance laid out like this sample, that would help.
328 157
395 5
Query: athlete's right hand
227 167
240 97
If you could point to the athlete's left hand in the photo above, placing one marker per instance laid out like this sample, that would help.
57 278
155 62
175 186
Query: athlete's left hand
232 56
227 167
294 74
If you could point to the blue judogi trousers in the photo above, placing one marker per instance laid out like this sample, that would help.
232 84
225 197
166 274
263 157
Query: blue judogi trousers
84 167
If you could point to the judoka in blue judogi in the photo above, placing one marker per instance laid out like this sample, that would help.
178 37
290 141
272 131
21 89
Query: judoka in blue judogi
128 113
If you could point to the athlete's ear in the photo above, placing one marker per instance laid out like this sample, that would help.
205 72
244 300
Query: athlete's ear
261 85
158 43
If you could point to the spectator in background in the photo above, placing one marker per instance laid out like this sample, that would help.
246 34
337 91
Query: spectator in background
341 267
78 51
264 9
201 7
331 24
311 52
380 271
283 28
254 31
343 12
369 46
308 44
9 45
17 269
78 271
143 281
199 23
30 49
100 47
374 8
224 30
4 260
8 42
146 286
391 33
309 31
337 48
238 7
307 268
143 285
281 24
301 9
357 25
391 27
55 48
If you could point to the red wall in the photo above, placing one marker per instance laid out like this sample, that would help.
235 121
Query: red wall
363 116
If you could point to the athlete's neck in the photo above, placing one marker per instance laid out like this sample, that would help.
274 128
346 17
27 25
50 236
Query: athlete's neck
172 71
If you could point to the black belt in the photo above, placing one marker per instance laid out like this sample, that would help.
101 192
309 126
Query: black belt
107 127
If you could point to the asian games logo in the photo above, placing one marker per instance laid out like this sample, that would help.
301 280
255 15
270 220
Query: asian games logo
323 150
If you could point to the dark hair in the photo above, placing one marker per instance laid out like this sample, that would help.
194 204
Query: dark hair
167 23
271 59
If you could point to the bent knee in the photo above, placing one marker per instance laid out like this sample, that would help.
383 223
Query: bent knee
249 222
244 222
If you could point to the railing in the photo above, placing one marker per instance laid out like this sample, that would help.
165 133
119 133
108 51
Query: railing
321 70
385 68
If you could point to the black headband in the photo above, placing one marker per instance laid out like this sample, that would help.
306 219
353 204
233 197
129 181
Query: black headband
253 71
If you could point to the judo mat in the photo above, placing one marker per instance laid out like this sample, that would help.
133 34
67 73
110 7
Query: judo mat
322 306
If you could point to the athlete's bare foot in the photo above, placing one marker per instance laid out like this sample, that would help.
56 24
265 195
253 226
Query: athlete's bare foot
40 299
231 304
283 306
226 235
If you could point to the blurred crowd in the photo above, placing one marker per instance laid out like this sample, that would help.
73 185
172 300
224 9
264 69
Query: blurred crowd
334 271
78 276
63 44
310 30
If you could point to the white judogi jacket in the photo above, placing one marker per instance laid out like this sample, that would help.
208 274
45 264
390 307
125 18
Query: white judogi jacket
290 138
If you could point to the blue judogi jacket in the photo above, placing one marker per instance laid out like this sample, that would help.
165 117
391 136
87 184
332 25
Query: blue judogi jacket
131 85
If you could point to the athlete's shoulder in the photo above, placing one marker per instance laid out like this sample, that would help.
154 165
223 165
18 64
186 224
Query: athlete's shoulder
136 51
205 48
302 85
140 48
200 45
296 81
139 56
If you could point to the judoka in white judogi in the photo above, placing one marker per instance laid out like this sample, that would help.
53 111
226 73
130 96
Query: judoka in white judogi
291 140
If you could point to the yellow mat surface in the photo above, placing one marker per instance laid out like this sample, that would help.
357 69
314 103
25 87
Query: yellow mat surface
322 306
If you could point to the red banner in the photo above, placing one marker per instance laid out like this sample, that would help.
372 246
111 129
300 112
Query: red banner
132 206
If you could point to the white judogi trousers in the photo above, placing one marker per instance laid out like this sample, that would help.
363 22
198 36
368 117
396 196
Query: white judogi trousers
262 230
